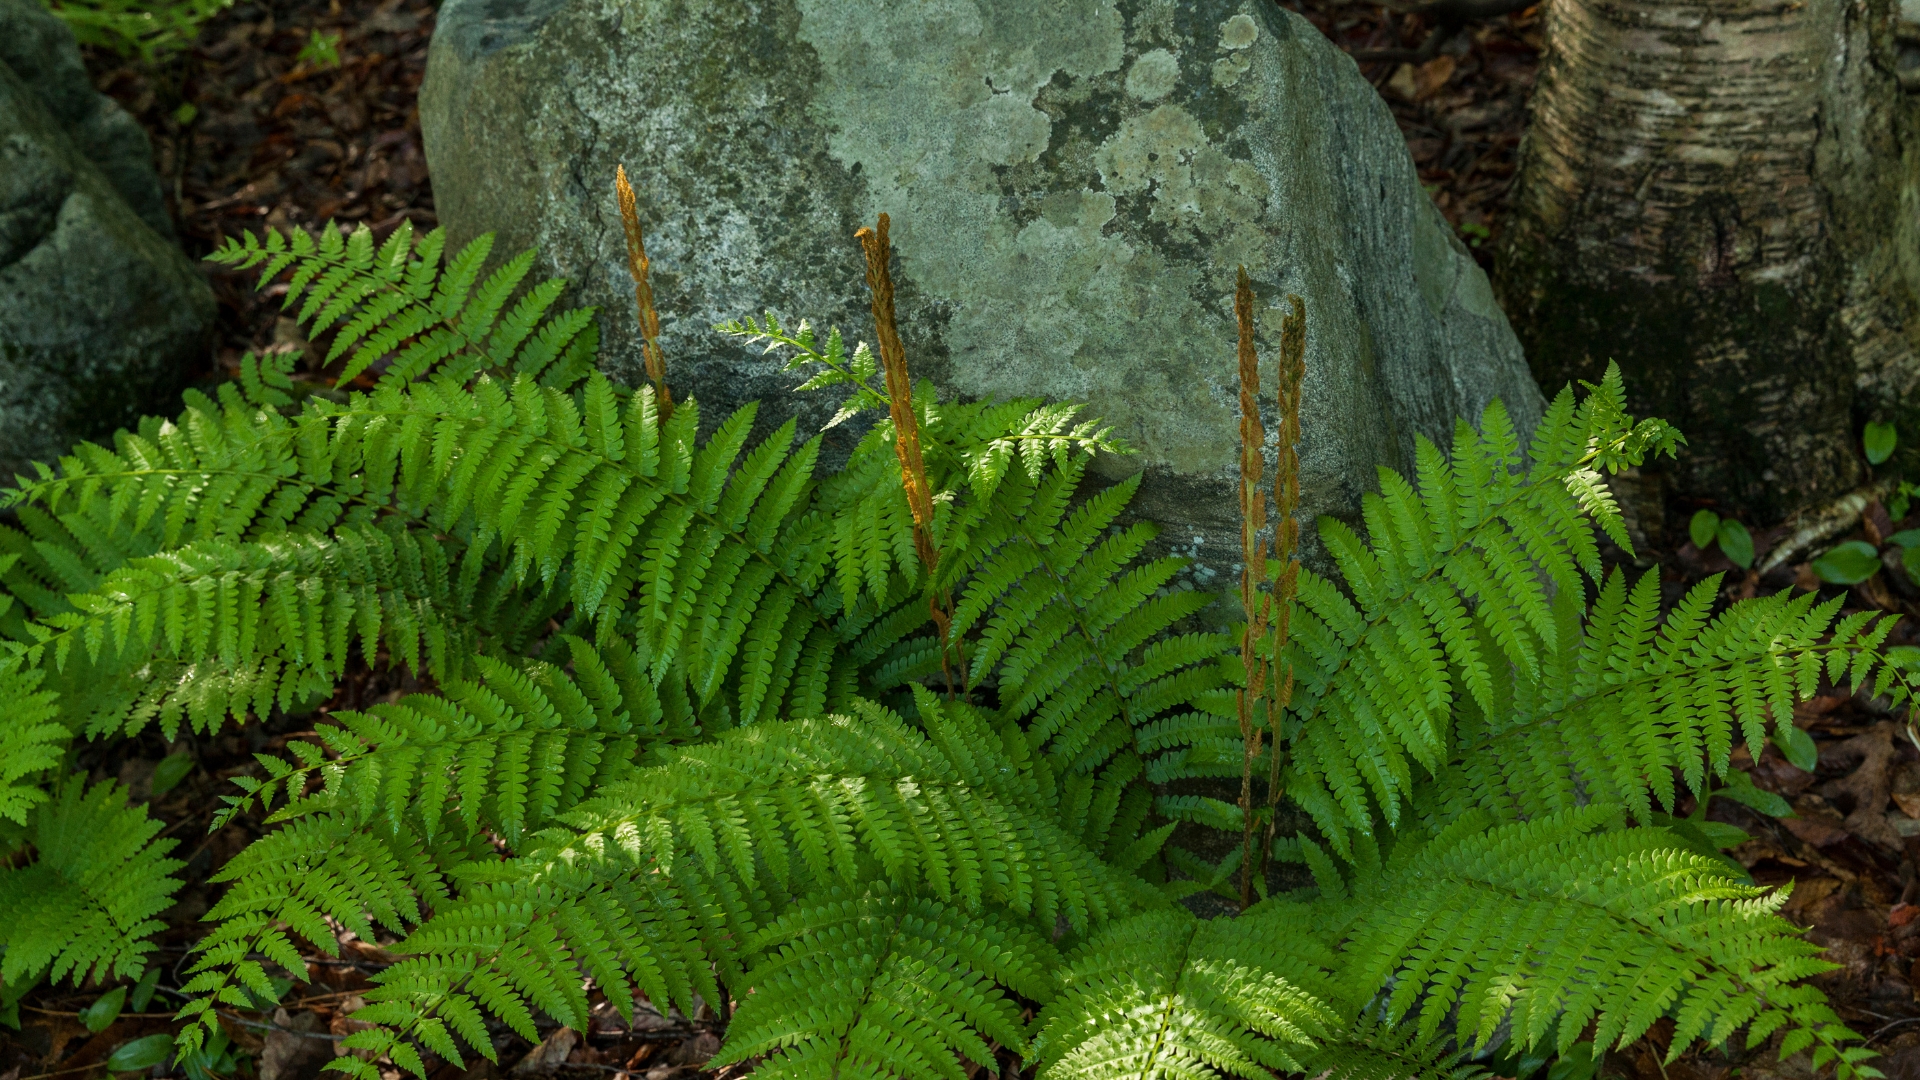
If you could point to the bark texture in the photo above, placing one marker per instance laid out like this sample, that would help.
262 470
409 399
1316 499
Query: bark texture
1721 195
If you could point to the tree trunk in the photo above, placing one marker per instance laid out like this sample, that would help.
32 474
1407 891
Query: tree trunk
1722 196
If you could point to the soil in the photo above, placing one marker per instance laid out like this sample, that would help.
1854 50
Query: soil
257 125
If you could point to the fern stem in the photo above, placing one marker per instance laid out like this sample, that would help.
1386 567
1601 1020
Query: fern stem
1286 499
1253 568
906 444
637 265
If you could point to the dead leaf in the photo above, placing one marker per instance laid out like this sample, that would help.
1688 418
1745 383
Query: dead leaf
695 1051
1405 83
1817 824
344 1024
1434 75
551 1053
292 1052
1867 786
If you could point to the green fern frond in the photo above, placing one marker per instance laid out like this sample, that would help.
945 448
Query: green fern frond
1074 630
83 907
400 307
1371 1049
1632 700
273 618
886 985
291 881
659 880
1456 581
1484 925
32 740
1168 995
507 753
414 788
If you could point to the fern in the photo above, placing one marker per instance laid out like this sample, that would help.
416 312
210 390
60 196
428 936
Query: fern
883 985
675 735
84 907
654 884
1456 582
1166 995
398 305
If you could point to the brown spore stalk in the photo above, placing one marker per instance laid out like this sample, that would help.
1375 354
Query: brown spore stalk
1268 686
906 431
643 292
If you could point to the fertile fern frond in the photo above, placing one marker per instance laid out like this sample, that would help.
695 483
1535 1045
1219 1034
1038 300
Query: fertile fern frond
886 985
1168 995
658 882
1475 554
399 305
1478 925
1629 699
83 907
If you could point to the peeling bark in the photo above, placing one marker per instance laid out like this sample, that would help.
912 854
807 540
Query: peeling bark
1721 195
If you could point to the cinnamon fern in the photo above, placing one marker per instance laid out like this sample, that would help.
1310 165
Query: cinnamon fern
891 755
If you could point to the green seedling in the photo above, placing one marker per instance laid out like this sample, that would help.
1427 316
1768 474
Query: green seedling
1708 528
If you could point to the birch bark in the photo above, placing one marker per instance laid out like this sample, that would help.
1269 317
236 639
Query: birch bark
1724 196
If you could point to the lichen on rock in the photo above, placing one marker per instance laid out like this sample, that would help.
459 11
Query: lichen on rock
1072 186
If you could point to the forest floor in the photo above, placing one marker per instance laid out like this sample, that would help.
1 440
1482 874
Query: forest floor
294 112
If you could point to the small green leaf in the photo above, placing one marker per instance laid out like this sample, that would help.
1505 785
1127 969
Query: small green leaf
1737 542
1704 527
141 1054
1741 790
143 990
172 769
1722 835
1906 538
1904 656
1898 506
1910 562
186 113
1849 564
105 1010
1797 747
1578 1063
1880 441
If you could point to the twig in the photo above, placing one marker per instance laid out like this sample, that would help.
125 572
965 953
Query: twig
259 1026
1428 49
121 1016
1828 521
1459 10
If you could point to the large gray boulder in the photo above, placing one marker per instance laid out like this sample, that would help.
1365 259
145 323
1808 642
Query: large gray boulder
101 315
1071 184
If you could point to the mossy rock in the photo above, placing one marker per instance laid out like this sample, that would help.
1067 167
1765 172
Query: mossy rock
101 316
1071 186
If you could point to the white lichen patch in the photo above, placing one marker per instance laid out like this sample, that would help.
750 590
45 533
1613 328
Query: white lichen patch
1194 184
1153 75
1056 304
1239 32
1228 69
